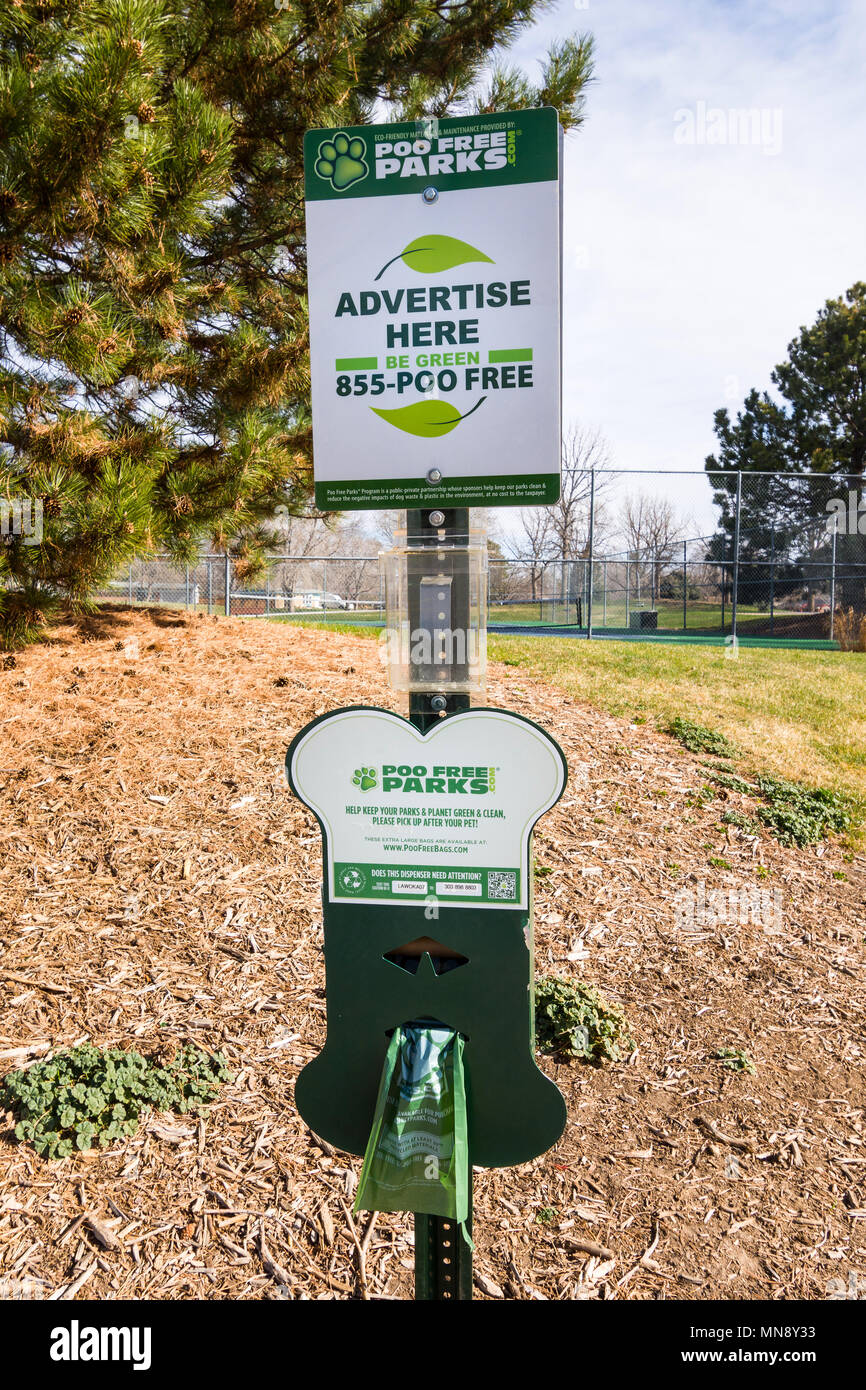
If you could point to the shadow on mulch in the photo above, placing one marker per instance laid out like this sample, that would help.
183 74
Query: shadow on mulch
109 619
7 1138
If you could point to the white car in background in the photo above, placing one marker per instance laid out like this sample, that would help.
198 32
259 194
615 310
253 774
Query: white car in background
317 600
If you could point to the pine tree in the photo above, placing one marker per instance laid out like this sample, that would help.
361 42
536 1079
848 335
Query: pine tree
154 379
814 425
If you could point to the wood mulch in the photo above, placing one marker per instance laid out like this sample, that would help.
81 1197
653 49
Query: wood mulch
160 884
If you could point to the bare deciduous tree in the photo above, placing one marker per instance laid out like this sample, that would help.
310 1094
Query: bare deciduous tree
652 528
583 451
533 545
311 538
561 532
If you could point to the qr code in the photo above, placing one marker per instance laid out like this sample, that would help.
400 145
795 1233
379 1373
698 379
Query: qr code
502 885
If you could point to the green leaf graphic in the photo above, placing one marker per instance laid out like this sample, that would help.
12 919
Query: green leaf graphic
430 254
428 419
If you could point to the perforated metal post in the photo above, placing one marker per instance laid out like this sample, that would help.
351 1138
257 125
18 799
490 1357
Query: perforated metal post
443 1260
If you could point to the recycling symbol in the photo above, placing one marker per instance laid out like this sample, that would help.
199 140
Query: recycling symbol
341 161
352 880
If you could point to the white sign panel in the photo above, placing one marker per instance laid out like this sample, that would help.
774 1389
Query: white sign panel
444 816
434 289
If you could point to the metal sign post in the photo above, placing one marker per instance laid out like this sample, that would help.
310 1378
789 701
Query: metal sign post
426 827
435 361
443 1259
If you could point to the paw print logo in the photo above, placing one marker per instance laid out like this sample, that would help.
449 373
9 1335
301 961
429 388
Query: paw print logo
341 161
365 778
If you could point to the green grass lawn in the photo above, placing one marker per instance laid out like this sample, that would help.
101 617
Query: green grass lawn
799 714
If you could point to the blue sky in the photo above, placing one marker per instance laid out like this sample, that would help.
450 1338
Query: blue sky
689 267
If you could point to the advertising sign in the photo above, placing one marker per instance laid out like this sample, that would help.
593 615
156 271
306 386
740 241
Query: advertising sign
443 816
434 292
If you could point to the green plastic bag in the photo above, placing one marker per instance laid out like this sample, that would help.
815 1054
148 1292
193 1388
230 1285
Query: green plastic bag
417 1157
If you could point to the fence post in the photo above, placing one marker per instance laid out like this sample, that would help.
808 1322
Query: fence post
130 582
209 564
772 576
833 579
736 575
604 573
186 586
591 546
685 584
228 578
627 586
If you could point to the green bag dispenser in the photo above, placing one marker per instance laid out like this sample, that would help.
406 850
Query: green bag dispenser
417 1155
428 835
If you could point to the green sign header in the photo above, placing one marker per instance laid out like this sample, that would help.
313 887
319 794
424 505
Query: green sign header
452 153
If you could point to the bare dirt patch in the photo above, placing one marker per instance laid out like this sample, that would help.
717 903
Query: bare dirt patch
159 884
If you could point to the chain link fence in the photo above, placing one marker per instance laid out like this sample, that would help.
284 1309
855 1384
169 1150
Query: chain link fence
323 587
784 561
